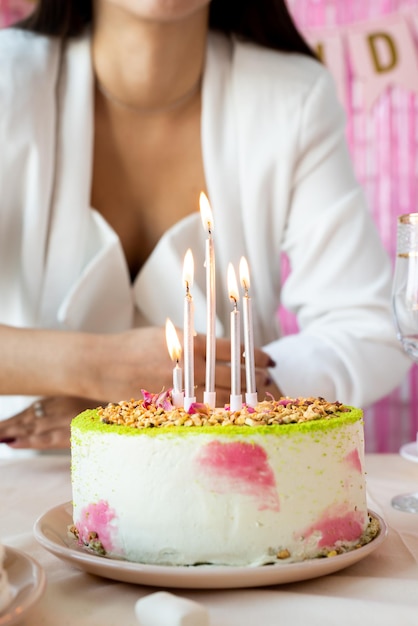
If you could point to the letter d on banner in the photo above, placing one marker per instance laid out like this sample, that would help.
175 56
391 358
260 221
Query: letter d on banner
381 44
383 54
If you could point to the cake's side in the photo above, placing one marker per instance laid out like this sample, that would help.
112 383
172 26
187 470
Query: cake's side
236 495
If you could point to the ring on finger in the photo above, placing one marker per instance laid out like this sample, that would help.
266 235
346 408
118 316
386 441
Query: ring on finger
38 409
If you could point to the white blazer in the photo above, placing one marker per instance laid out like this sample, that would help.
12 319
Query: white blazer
279 179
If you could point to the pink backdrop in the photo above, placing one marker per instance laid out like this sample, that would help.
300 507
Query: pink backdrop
12 10
383 143
384 147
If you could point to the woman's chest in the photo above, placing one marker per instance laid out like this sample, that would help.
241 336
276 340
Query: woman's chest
146 177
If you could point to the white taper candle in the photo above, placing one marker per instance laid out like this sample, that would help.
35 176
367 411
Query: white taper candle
207 221
188 272
251 391
235 318
174 349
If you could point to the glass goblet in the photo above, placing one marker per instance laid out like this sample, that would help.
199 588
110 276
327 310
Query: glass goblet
405 311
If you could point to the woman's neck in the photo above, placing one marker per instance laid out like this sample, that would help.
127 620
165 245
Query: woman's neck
147 63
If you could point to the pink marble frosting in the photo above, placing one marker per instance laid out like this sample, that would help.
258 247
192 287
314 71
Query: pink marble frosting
239 467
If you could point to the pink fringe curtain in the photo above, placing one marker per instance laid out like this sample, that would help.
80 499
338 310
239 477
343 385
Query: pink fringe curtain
384 148
13 10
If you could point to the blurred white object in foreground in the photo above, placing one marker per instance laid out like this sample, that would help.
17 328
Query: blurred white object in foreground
166 609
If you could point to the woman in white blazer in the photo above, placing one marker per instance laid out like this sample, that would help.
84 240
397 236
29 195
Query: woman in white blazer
114 115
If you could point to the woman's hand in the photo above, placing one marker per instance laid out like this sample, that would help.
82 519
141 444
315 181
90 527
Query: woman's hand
262 362
139 359
45 424
110 368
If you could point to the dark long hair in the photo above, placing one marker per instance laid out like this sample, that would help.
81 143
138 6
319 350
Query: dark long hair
264 22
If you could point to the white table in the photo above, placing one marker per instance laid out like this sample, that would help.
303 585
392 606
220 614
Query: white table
381 589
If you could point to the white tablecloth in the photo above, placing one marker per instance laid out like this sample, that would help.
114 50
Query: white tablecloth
381 589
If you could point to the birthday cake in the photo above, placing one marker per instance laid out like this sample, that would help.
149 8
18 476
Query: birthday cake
281 482
5 591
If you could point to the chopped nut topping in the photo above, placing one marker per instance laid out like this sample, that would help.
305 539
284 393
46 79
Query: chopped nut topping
332 553
92 542
138 414
283 554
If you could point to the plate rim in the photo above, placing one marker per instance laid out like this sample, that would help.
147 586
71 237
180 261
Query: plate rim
203 576
16 610
403 451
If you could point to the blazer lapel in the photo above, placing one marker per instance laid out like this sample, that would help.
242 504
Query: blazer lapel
85 265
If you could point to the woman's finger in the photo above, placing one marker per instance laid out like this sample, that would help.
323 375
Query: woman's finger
16 426
45 424
262 359
52 439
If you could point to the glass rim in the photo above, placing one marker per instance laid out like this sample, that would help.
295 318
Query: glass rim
408 218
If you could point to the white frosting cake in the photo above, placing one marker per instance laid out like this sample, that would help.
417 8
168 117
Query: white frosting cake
283 483
5 591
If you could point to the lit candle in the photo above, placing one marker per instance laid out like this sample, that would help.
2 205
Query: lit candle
235 397
209 396
251 391
188 272
174 350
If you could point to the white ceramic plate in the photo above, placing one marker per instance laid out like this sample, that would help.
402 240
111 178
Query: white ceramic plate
27 580
410 451
51 532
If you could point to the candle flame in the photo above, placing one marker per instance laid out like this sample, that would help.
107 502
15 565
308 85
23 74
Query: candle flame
244 274
206 212
173 343
232 284
188 269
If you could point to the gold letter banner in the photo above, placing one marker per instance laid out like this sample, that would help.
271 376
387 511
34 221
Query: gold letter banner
379 54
